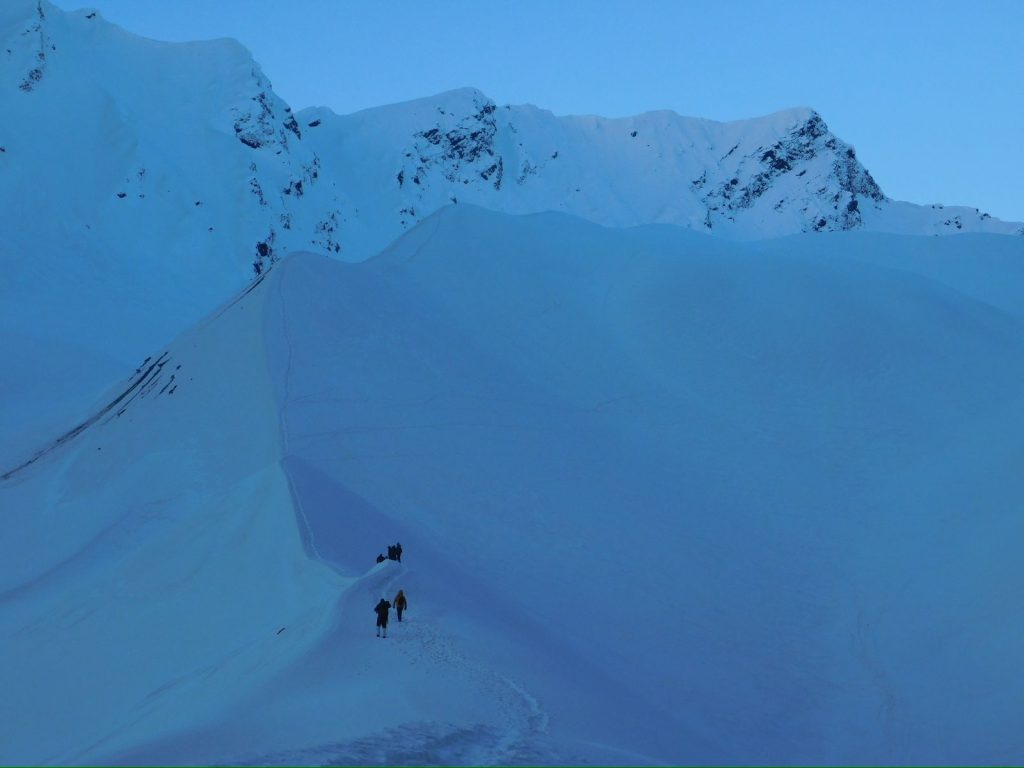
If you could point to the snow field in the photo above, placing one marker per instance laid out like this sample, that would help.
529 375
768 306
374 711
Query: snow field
663 499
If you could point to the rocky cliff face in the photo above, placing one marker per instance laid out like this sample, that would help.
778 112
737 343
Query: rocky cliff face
782 164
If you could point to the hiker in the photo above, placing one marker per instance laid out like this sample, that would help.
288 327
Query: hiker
382 616
380 558
400 603
398 551
391 553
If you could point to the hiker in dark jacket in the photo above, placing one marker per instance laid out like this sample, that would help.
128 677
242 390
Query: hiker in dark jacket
398 551
382 616
400 603
380 558
391 553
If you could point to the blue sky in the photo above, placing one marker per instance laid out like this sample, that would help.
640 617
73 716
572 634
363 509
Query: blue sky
930 93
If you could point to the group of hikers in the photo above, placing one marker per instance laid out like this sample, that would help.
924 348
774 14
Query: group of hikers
383 607
394 553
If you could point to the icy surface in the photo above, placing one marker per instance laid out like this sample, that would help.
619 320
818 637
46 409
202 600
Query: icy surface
663 497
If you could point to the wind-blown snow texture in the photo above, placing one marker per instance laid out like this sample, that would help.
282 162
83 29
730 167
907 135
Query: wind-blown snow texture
663 498
666 496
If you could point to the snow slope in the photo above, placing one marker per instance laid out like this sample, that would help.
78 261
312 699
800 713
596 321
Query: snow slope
149 562
663 497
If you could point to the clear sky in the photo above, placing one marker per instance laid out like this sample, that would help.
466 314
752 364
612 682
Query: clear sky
930 93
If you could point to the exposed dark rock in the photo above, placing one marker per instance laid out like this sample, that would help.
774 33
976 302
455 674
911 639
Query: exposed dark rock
31 79
292 125
326 229
257 190
312 169
500 174
470 141
803 143
528 169
265 256
249 142
775 161
814 128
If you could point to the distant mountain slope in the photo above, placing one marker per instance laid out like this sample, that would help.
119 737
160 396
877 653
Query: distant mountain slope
750 179
663 497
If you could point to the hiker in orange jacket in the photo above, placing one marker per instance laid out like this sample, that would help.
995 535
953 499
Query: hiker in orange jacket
400 603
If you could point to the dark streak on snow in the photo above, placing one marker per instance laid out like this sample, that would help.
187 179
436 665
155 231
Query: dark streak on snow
140 381
145 379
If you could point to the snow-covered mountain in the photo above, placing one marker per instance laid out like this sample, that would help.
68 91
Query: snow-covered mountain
179 159
663 497
169 155
142 182
750 179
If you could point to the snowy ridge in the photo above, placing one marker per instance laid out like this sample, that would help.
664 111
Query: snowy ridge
663 498
750 179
